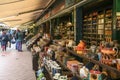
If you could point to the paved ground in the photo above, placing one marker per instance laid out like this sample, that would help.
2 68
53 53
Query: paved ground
16 65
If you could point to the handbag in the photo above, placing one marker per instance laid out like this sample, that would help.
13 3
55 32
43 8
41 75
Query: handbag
13 41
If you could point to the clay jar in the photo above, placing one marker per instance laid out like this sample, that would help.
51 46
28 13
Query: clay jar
80 47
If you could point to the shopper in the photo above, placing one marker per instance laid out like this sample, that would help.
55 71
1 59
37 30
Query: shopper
4 40
9 38
19 38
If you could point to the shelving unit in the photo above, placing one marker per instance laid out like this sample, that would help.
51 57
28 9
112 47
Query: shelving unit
108 25
64 66
87 24
97 25
118 23
96 62
100 26
65 32
32 40
118 28
108 68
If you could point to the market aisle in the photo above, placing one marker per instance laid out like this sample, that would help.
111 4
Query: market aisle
16 65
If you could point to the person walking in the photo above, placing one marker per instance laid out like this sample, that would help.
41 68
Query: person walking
4 40
19 38
9 38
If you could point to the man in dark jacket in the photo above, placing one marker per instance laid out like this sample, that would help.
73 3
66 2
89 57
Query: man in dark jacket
4 40
19 38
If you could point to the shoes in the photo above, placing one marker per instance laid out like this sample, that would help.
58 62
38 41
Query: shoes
20 51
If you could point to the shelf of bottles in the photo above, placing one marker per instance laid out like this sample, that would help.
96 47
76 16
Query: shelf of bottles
118 22
108 25
97 26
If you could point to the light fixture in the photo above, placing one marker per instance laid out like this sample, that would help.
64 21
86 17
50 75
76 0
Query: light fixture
69 24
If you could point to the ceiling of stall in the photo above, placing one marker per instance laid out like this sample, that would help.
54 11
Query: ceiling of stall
17 12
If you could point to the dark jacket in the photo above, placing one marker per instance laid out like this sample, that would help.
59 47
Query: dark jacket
4 39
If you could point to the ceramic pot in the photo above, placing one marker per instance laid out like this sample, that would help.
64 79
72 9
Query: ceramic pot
83 72
81 45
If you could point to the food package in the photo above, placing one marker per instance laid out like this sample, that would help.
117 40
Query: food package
73 65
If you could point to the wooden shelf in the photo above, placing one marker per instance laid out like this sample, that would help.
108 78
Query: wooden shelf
109 68
32 40
96 62
101 20
63 31
50 74
118 23
64 66
95 23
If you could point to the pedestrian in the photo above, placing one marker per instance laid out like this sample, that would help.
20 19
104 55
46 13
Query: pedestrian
4 40
9 38
19 38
